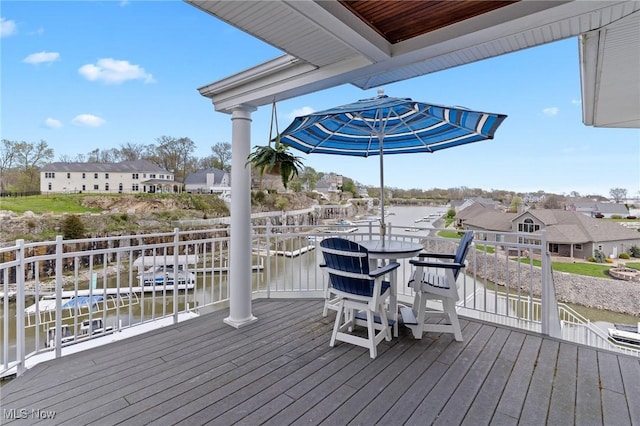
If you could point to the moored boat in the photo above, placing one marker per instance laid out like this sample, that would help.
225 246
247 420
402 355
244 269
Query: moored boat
625 333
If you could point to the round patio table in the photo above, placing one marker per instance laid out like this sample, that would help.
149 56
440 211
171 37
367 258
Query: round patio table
391 251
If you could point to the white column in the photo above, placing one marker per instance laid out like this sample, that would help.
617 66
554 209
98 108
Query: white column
239 277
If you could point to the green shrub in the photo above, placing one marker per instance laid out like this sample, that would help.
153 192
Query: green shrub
591 259
72 228
281 203
260 197
624 256
635 251
599 256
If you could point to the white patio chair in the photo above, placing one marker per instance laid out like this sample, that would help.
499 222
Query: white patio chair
439 282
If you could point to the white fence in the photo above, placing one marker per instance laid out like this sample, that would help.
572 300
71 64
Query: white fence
54 293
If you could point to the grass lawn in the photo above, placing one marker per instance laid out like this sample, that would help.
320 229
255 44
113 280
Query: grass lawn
598 270
449 234
39 204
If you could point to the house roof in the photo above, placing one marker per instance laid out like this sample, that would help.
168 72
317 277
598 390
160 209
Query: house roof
569 226
562 227
472 211
200 176
137 166
370 44
491 220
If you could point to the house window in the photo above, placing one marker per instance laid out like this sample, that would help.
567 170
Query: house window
84 175
528 226
68 175
106 175
84 188
106 186
96 188
577 246
553 248
134 187
161 176
95 176
50 175
49 186
144 175
134 176
152 176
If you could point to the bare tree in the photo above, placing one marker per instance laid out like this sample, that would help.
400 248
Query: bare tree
552 201
618 194
132 151
30 157
222 154
111 155
175 154
8 152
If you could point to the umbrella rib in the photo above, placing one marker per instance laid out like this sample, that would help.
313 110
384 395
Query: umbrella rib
330 133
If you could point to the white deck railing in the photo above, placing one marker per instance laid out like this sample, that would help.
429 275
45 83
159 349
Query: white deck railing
43 284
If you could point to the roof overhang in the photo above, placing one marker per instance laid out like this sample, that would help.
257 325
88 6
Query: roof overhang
369 44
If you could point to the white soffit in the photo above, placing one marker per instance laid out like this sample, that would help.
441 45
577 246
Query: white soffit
610 70
327 46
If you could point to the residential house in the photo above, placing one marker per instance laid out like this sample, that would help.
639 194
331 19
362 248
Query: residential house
568 233
209 181
599 209
471 208
124 177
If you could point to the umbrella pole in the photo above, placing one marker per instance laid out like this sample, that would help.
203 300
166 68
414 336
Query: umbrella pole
382 224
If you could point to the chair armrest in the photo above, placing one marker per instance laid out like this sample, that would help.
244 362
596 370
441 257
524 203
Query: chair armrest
437 255
447 265
384 269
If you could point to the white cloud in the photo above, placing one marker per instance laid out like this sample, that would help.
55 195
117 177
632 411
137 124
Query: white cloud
40 57
7 27
88 120
52 123
576 102
111 71
300 112
37 32
551 111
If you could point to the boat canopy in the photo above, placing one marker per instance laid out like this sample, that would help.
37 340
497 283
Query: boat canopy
168 260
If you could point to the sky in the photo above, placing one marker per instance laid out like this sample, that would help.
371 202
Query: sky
82 75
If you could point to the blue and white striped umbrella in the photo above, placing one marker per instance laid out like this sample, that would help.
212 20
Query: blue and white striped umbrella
385 125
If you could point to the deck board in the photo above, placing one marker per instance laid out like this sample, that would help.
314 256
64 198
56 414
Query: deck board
280 370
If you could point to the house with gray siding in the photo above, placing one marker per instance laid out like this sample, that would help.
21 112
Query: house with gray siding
569 233
209 181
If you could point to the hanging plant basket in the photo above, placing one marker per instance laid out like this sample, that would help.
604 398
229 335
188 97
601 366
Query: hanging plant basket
276 159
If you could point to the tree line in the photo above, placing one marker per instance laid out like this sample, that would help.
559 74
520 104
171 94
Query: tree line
20 164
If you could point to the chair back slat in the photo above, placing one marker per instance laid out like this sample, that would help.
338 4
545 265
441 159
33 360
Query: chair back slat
463 249
347 264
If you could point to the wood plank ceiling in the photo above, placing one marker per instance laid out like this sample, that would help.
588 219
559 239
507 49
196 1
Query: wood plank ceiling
399 20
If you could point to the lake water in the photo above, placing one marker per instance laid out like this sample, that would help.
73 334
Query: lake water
412 220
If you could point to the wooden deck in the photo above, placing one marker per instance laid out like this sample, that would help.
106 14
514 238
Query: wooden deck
280 370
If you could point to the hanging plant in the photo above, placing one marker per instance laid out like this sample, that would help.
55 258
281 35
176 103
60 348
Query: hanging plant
276 159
